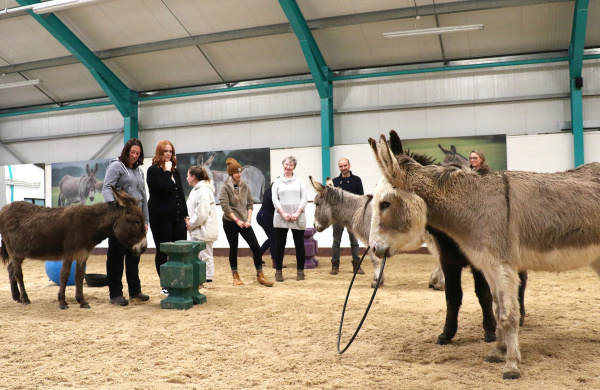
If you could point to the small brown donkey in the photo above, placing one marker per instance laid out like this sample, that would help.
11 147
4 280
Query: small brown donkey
66 233
504 222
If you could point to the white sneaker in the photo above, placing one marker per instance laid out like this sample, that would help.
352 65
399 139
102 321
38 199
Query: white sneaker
164 291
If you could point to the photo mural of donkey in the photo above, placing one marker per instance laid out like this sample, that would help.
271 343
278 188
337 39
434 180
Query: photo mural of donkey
250 174
503 221
68 234
78 189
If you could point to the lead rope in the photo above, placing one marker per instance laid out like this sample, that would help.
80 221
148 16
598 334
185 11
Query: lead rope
368 307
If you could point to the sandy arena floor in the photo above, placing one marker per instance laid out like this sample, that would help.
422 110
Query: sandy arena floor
285 337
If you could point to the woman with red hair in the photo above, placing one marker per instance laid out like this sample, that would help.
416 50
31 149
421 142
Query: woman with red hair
167 206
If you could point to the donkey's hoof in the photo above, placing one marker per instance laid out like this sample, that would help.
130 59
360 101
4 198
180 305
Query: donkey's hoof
24 301
374 284
511 375
84 305
489 337
63 306
443 340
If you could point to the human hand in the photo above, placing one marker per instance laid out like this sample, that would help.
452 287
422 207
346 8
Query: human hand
247 224
168 165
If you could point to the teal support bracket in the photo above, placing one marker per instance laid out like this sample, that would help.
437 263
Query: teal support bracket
124 99
321 75
575 80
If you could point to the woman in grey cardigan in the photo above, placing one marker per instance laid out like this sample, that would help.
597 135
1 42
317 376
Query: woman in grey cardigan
237 204
124 173
289 199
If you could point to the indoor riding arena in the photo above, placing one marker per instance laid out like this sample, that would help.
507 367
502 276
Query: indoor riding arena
453 146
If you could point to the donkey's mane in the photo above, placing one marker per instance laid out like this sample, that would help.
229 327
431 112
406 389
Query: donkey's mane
420 158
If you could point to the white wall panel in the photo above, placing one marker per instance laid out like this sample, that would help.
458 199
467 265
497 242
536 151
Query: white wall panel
540 153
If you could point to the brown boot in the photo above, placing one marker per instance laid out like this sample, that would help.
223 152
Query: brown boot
279 276
236 279
300 275
355 266
335 267
260 278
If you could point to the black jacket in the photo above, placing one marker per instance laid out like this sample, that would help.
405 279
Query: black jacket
167 200
351 183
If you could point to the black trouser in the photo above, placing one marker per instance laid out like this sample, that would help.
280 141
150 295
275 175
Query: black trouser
280 239
231 232
266 222
166 231
114 269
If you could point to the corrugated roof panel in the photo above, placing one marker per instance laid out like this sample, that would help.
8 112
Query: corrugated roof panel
247 59
364 46
23 39
164 69
206 17
112 24
67 83
317 9
22 96
592 37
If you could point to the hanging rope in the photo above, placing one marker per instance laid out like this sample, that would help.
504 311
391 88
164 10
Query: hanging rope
368 307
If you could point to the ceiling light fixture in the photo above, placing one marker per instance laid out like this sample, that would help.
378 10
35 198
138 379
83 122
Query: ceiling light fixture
20 84
59 5
437 30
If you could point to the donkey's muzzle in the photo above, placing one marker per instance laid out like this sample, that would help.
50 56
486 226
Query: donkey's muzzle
380 249
140 247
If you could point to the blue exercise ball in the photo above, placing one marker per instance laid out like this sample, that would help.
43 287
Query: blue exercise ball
53 271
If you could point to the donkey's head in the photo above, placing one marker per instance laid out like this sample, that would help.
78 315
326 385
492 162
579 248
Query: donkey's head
326 197
398 222
130 225
90 181
399 215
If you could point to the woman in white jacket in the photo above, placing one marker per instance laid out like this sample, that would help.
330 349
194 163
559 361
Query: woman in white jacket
203 217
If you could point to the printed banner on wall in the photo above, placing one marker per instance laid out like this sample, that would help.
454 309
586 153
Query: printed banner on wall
457 149
78 182
256 168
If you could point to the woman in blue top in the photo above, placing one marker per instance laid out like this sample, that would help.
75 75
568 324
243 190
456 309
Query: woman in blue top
124 173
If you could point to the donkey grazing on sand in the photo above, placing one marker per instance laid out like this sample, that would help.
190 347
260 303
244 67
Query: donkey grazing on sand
68 234
78 189
504 222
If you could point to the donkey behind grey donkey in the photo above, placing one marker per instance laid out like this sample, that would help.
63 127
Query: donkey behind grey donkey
68 234
78 189
502 221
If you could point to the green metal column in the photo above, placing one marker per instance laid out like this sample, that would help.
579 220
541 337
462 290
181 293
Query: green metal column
575 67
321 75
326 135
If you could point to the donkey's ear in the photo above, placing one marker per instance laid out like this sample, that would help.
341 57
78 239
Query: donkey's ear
87 168
329 182
453 149
317 186
96 168
387 161
119 196
395 143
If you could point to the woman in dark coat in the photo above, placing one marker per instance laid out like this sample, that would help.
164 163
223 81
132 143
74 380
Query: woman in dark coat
166 206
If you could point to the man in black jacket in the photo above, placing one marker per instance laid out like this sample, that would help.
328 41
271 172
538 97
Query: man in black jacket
351 183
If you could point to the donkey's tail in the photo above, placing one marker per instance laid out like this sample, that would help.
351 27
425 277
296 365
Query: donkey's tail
3 252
